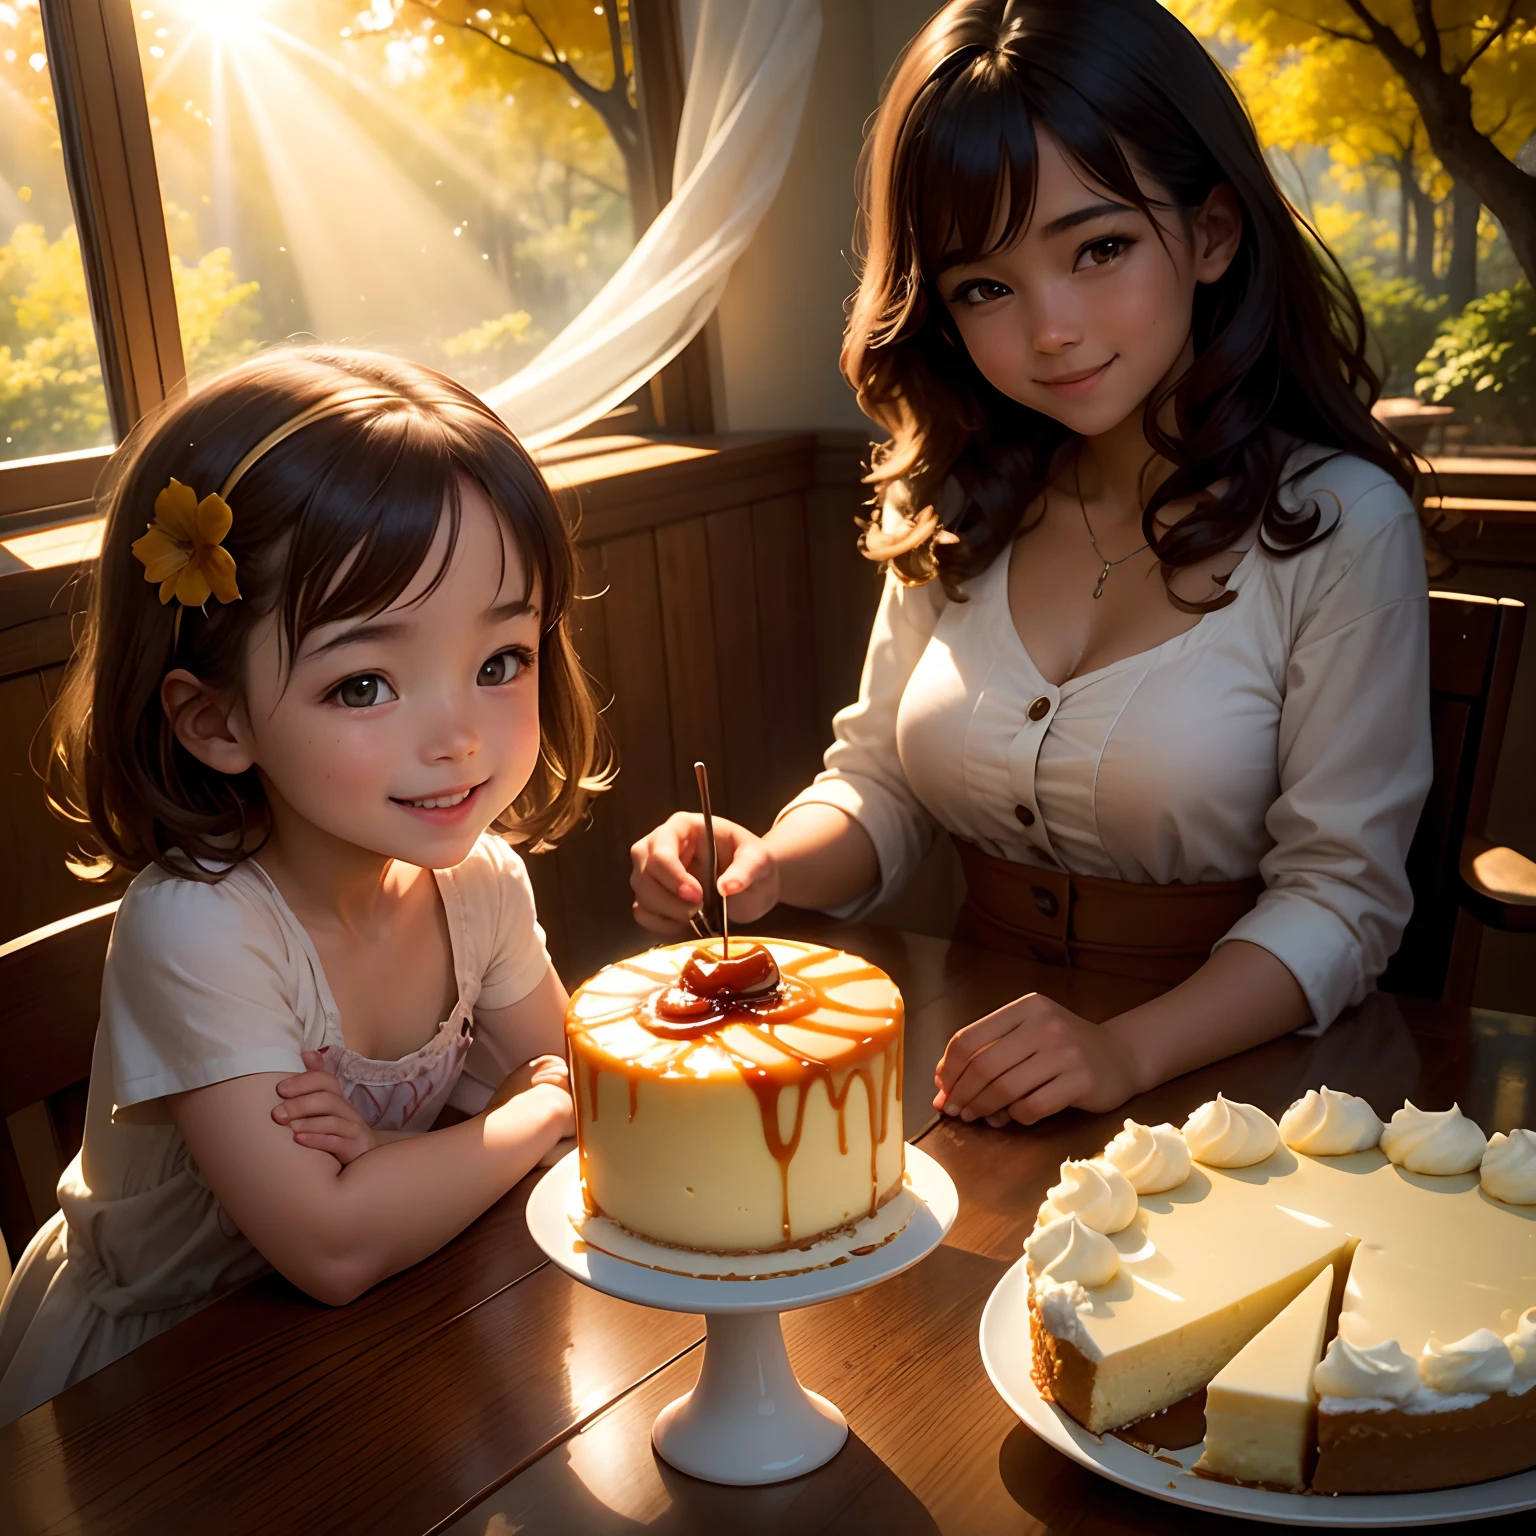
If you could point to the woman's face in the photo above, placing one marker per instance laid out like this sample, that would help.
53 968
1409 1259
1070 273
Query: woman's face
1089 311
406 733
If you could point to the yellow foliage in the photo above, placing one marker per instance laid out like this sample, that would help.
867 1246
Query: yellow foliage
214 309
505 330
1306 84
51 395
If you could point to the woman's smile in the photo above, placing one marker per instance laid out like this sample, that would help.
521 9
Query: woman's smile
1082 382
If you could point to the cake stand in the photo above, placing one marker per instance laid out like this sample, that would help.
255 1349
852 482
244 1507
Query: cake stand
747 1419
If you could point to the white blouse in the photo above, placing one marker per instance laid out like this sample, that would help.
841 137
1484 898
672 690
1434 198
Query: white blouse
1286 734
204 983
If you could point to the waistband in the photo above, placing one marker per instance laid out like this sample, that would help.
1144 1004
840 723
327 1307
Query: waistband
1120 927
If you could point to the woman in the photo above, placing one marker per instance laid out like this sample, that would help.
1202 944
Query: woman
1153 643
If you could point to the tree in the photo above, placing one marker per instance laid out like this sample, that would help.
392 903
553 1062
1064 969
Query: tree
51 394
519 33
1471 75
1326 93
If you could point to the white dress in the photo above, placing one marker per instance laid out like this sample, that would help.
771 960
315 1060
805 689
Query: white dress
1285 735
204 983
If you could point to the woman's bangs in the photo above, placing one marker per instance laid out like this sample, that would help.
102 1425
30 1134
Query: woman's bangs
980 158
978 161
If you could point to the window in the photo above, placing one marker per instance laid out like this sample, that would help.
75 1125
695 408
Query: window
52 400
445 179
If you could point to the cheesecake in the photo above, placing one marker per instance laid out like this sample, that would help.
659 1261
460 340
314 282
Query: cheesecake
1428 1379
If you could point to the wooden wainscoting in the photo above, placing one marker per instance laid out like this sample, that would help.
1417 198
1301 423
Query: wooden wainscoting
725 617
730 625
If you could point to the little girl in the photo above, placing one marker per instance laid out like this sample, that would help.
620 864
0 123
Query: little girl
327 653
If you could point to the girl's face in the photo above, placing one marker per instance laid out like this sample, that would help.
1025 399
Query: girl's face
1086 314
406 733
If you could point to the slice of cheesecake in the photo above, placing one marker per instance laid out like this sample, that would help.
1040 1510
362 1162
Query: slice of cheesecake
1203 1268
1260 1408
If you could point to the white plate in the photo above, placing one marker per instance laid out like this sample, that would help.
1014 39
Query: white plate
644 1278
1005 1352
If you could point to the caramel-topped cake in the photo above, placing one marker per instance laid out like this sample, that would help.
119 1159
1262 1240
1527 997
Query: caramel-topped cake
741 1103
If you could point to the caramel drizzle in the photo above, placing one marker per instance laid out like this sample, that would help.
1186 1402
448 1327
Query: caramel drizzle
767 1084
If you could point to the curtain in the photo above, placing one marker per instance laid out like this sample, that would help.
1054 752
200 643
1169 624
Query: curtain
748 74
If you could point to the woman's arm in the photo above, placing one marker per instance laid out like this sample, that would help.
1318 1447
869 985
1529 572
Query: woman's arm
335 1230
848 839
1033 1057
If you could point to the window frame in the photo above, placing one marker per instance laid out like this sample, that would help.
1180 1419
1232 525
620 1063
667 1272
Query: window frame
114 188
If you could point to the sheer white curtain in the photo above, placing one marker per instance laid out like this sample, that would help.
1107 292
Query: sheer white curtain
748 74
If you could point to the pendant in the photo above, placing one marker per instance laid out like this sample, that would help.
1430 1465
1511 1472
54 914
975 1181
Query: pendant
1098 591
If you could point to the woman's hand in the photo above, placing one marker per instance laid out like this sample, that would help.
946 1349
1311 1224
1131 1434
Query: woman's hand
1029 1059
317 1112
666 864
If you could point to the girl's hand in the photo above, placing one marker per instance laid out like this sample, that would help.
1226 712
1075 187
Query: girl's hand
317 1112
543 1073
1029 1059
666 864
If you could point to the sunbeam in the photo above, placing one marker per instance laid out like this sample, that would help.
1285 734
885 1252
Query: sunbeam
368 245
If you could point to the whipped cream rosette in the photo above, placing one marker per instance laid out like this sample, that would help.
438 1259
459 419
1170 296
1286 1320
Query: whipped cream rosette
1066 1252
1327 1123
1095 1191
1380 1371
1481 1362
1439 1141
1154 1158
1508 1169
1226 1134
1521 1345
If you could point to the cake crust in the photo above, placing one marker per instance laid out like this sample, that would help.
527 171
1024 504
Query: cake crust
1389 1450
1062 1373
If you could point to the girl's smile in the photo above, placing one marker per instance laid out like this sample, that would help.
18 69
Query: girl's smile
444 809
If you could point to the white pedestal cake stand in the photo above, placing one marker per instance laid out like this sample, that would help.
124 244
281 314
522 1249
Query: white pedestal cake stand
747 1420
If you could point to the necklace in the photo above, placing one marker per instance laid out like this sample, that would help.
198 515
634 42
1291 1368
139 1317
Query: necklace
1109 565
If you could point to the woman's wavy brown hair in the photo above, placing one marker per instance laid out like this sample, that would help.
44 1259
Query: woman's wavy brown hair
331 523
1279 339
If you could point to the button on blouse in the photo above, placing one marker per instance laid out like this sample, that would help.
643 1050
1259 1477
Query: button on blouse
1286 734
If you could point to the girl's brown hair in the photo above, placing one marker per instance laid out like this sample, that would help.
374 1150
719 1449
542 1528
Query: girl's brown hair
330 523
1279 339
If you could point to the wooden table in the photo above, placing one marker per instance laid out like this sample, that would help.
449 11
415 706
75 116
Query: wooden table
483 1392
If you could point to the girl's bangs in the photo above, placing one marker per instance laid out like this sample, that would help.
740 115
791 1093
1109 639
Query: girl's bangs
370 516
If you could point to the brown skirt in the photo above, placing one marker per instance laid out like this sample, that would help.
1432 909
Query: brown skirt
1154 932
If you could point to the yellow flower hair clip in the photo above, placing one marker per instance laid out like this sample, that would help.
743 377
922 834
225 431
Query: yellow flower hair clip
183 549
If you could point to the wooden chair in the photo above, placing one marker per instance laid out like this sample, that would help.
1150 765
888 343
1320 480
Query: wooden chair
1462 882
50 997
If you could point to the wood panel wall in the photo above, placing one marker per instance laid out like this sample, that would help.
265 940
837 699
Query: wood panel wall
725 617
731 625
